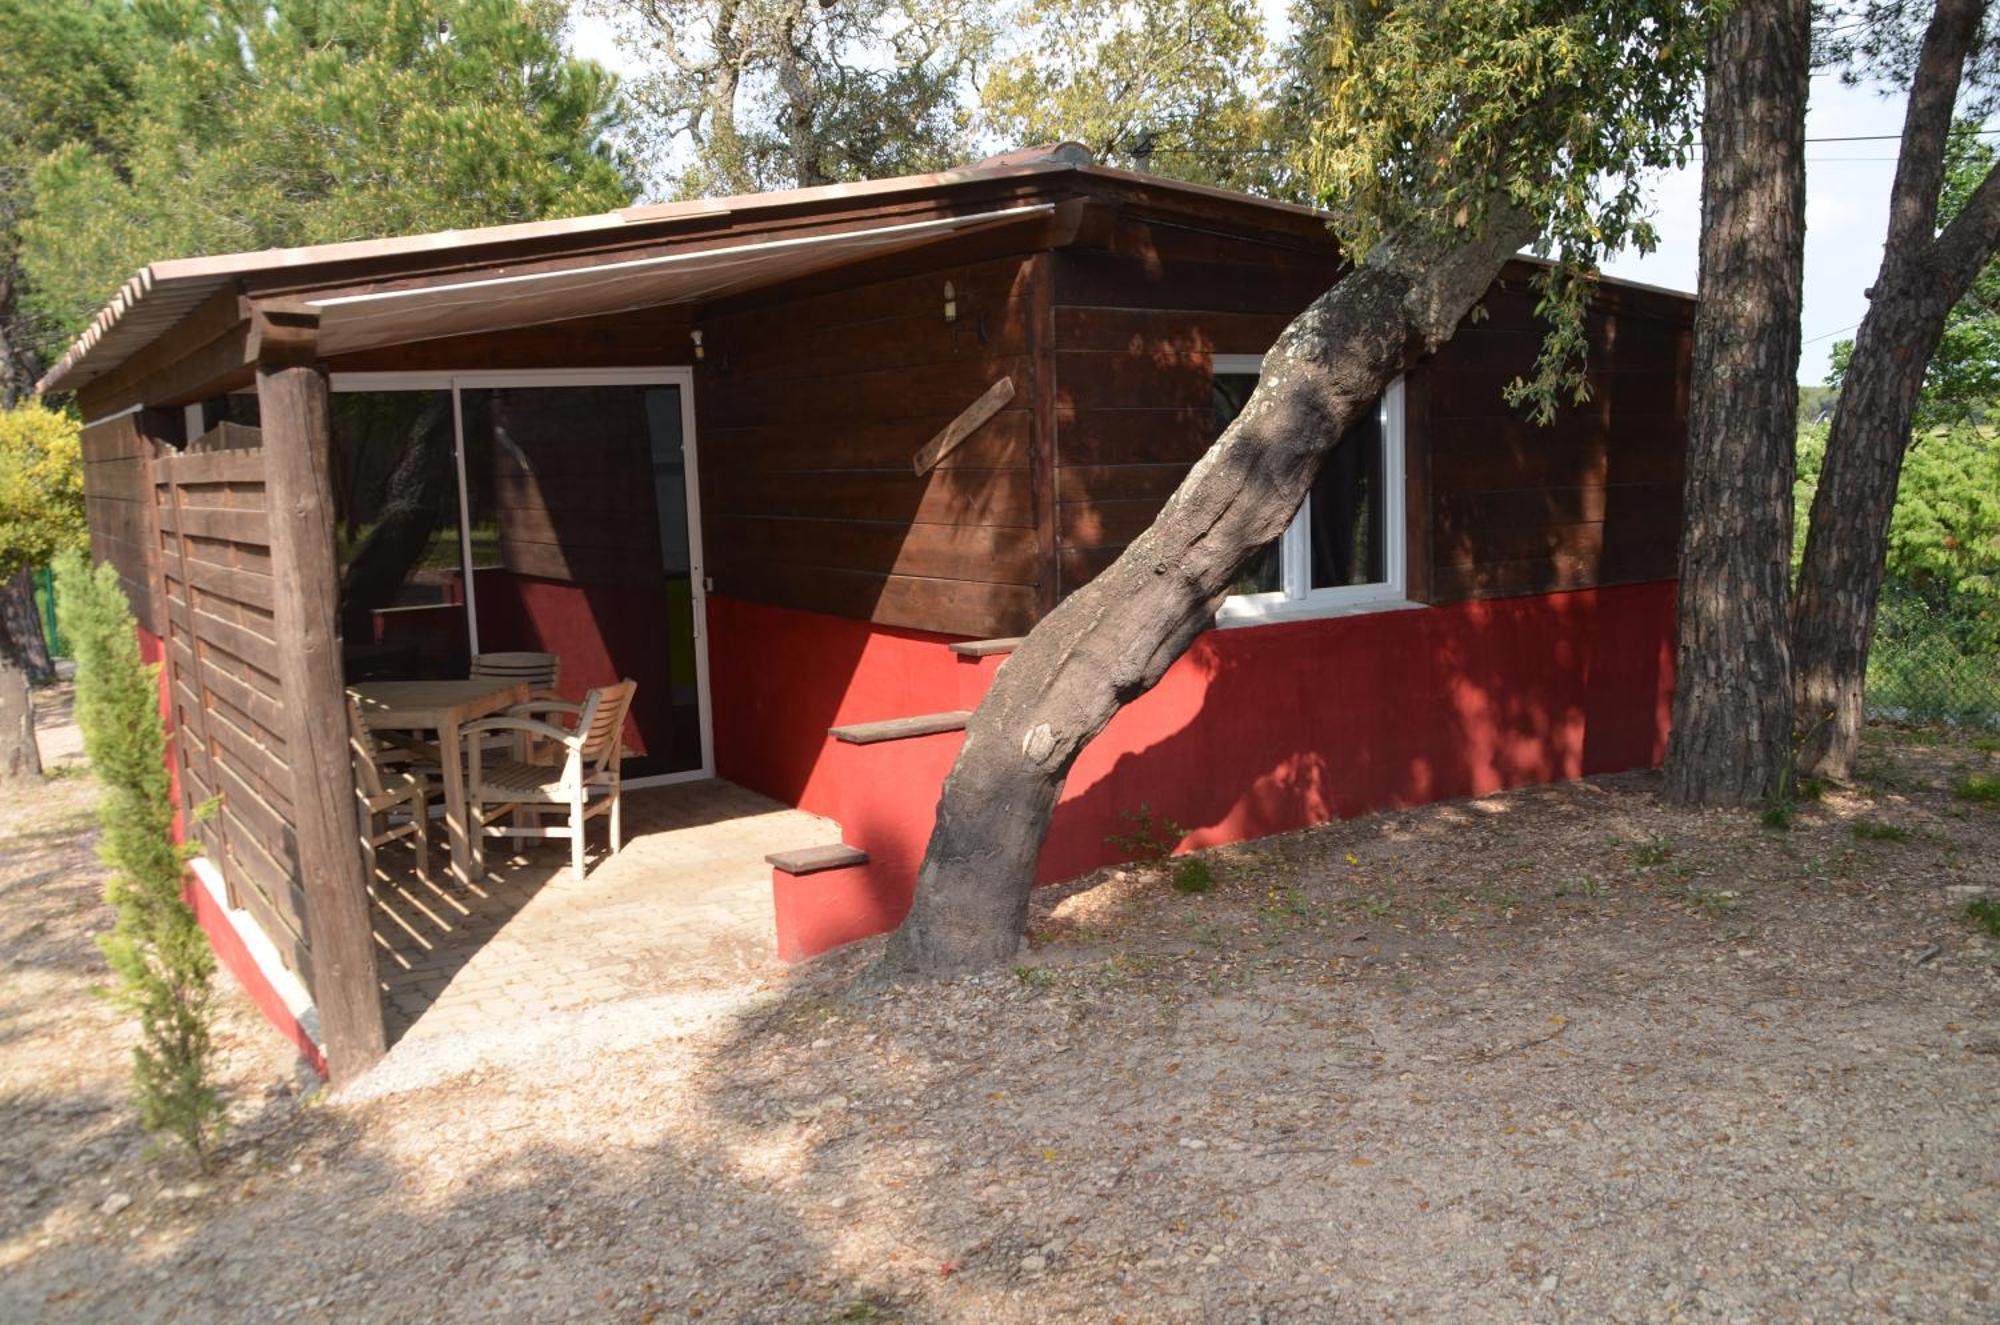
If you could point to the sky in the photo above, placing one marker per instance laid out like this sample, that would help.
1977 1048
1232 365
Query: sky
1847 201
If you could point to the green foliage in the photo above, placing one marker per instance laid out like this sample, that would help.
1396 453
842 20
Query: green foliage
269 123
1180 87
156 948
1874 830
41 487
1153 838
1418 120
1657 849
1979 788
1985 913
1936 651
748 95
1192 875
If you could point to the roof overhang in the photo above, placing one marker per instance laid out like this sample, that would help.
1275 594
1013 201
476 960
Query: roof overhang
370 320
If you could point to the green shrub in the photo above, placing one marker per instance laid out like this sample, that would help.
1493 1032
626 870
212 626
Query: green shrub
1985 913
1982 788
1193 875
157 950
1153 837
1873 830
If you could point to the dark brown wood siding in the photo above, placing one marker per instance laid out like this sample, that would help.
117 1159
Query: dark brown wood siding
118 501
810 410
1136 323
228 707
1593 498
1497 505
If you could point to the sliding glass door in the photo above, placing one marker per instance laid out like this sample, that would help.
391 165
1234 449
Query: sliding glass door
553 512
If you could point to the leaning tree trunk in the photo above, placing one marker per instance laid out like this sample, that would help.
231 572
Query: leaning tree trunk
1732 714
1113 639
1923 275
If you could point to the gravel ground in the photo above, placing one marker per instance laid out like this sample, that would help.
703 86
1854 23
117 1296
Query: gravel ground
1559 1055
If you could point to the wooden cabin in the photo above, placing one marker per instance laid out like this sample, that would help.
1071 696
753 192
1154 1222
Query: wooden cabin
680 443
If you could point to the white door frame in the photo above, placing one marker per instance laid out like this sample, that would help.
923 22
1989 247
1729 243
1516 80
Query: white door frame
559 377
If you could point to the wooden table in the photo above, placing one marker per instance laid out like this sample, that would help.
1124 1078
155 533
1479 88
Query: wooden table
441 707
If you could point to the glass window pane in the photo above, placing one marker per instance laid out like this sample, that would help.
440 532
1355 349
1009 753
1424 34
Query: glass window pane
580 540
1265 571
1345 534
395 495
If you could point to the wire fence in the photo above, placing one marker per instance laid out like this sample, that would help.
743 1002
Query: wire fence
1929 667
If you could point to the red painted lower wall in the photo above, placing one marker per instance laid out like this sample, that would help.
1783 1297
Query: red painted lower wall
235 957
1256 730
223 937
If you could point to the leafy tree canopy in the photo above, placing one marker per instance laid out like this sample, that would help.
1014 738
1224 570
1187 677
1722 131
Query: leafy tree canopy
268 123
1182 87
41 487
744 95
1417 120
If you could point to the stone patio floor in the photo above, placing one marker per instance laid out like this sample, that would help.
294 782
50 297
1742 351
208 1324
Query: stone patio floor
687 901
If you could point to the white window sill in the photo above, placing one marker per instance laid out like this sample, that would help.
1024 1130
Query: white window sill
1236 613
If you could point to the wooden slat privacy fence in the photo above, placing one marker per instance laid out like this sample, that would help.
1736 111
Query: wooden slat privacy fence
228 707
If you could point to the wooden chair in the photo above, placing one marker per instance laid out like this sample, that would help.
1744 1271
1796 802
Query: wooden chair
585 783
380 791
540 672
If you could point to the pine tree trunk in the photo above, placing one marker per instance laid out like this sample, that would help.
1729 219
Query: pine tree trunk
1732 715
20 757
1112 640
1923 275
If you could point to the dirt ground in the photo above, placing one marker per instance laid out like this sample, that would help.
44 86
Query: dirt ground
1561 1054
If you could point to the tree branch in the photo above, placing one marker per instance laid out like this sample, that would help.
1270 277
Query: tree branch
1970 241
1913 199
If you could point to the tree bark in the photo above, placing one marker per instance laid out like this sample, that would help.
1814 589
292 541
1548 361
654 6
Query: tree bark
1923 275
20 756
1732 713
1112 640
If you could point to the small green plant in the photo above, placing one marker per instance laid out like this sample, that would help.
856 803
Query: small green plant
1192 875
1035 977
1979 788
156 949
1377 905
1657 849
1874 830
1586 887
1986 745
1985 913
1153 837
1712 904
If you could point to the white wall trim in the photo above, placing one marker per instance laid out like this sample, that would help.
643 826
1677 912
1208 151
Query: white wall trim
262 951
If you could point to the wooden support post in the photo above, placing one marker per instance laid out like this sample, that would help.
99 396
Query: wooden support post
292 398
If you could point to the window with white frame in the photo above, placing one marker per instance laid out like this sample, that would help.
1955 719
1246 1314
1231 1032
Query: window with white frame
1344 551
